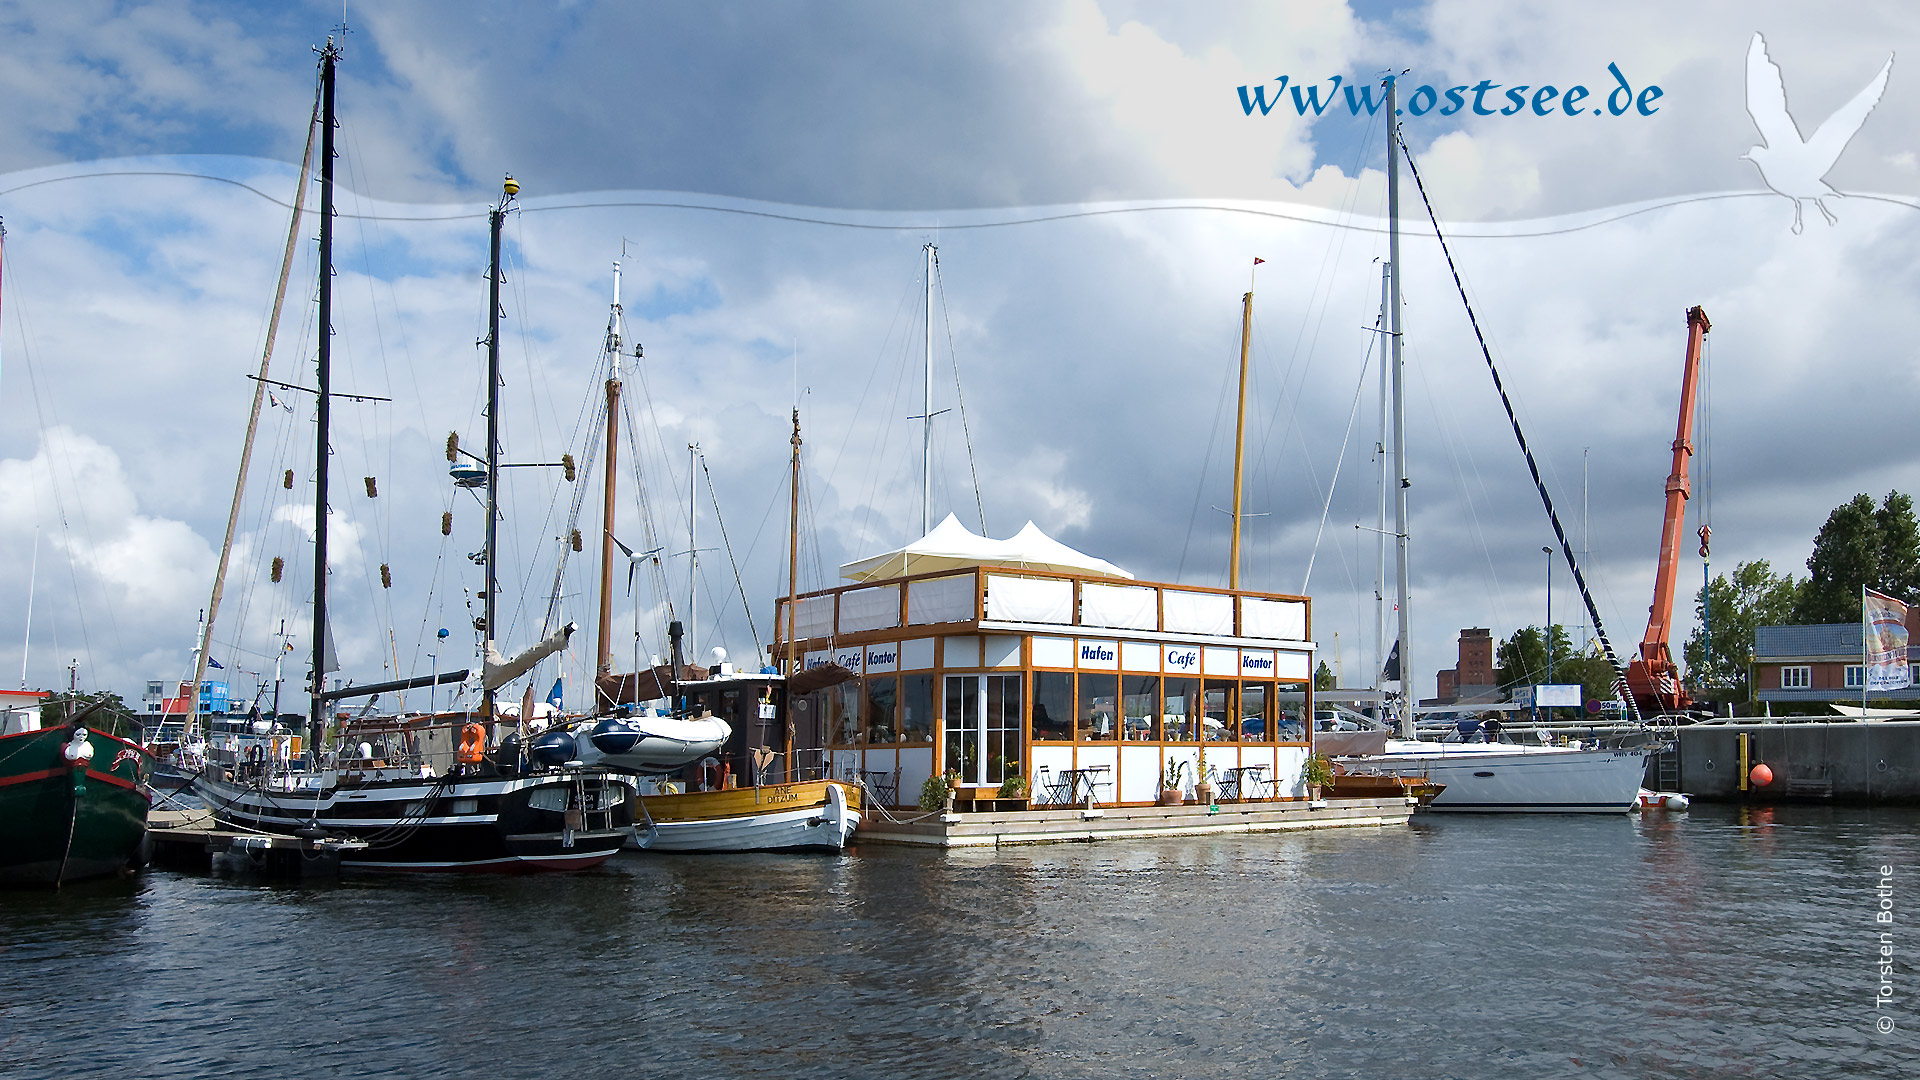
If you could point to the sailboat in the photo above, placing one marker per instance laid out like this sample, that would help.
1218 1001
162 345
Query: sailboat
1478 775
622 734
73 797
754 795
421 793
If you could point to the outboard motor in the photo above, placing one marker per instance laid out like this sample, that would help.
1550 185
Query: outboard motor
552 748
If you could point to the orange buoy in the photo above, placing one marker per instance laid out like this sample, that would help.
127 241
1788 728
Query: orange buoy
473 744
1761 775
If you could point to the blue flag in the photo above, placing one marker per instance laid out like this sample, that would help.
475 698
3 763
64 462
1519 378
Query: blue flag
212 663
553 696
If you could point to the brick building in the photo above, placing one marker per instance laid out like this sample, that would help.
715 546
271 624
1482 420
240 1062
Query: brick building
1472 676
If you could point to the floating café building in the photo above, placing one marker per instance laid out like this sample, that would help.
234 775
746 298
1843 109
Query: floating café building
993 659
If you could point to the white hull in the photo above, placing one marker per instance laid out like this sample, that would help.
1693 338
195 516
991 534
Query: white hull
1504 778
818 828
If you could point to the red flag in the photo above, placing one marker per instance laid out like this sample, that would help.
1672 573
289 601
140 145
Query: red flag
1257 262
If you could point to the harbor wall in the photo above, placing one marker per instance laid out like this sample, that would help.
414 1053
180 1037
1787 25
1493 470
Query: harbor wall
1842 762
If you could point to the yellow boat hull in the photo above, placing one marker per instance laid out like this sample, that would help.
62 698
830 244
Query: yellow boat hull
812 814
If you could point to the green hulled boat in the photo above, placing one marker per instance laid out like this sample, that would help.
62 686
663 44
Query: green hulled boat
73 804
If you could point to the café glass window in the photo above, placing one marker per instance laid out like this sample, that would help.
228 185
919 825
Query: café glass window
1099 707
881 709
915 708
1218 719
1052 706
1256 724
1178 720
843 711
1140 702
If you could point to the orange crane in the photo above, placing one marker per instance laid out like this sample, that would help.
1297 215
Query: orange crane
1652 676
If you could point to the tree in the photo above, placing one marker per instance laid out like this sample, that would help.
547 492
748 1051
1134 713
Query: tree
111 715
1323 677
1728 611
1521 660
1861 545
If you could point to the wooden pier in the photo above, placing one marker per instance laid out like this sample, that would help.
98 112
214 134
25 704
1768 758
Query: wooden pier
988 828
191 839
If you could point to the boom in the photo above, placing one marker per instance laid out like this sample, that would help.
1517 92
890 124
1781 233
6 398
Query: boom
1652 676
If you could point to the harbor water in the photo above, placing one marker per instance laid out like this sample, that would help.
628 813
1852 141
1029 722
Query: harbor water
1723 942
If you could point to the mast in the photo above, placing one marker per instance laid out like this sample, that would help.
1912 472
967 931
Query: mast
603 654
329 56
1240 438
205 644
1405 710
495 220
793 551
693 547
926 418
1380 526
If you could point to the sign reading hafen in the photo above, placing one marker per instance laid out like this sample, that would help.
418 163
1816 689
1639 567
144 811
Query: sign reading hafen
1884 628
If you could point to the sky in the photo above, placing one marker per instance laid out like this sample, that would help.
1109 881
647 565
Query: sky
1097 178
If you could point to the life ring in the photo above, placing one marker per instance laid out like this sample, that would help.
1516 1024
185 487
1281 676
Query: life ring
473 744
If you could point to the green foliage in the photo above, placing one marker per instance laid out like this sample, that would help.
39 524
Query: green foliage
1323 677
1172 778
1013 787
1861 545
1718 663
933 793
102 712
1521 660
1317 769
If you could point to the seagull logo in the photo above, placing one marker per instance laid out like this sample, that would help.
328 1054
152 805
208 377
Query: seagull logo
1788 164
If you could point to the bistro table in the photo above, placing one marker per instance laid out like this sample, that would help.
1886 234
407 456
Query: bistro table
1085 779
1246 782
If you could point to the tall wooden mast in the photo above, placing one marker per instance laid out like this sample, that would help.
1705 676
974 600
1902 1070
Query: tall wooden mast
1240 439
603 654
793 552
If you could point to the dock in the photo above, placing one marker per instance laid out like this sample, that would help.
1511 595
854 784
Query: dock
193 840
1082 824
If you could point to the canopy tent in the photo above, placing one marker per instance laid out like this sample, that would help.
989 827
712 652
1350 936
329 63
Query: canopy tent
953 546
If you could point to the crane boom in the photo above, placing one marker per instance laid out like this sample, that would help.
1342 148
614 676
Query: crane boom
1652 676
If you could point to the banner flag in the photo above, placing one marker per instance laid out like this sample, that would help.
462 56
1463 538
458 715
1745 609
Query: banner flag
1884 624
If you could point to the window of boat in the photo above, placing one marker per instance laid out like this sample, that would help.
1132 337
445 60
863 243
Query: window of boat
916 708
1140 700
1218 705
1099 706
881 727
1255 724
1052 706
1177 720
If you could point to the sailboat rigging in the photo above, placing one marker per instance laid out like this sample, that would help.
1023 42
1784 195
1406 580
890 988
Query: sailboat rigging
419 793
1478 775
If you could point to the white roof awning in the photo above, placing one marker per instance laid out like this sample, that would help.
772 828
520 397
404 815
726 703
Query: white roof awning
953 546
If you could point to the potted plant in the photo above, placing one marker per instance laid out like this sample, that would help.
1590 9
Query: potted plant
1013 787
1203 787
933 793
1316 773
1170 793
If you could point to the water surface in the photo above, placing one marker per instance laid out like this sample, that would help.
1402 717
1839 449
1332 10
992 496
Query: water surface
1724 942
